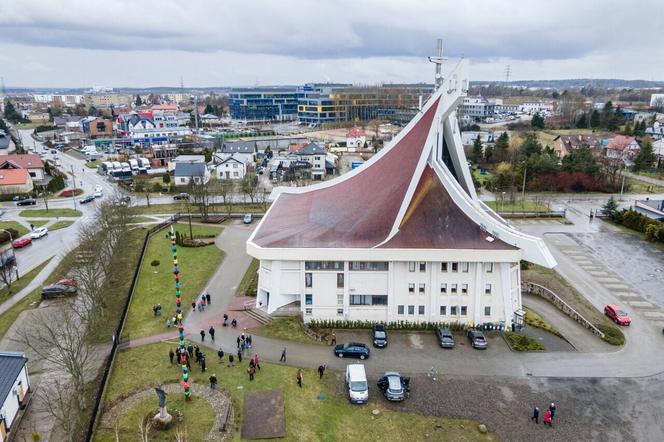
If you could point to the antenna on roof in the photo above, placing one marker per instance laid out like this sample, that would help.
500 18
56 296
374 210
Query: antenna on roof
438 61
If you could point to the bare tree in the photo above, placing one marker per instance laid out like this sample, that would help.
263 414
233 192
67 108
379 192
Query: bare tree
8 272
249 185
145 427
60 404
200 192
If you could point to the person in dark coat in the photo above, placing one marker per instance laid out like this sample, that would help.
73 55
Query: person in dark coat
207 298
535 416
283 355
552 409
230 360
238 342
202 335
193 305
171 355
251 370
190 350
213 382
321 371
211 332
299 377
220 353
239 356
203 364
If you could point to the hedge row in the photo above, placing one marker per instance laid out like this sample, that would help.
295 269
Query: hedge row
398 325
654 230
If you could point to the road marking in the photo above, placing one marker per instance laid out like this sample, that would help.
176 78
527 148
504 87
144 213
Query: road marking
640 304
654 315
616 286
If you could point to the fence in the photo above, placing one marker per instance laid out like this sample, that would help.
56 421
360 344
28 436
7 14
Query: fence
527 214
118 332
543 292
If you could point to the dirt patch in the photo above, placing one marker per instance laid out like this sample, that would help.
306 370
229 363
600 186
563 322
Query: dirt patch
263 415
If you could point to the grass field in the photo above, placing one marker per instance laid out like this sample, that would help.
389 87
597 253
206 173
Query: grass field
247 286
156 284
535 320
60 225
638 186
285 328
141 219
50 213
182 207
319 411
520 342
38 222
22 282
92 164
508 206
20 228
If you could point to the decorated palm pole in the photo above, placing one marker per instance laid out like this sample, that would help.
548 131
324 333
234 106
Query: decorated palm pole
178 302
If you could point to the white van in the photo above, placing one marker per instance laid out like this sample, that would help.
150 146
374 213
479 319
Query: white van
358 387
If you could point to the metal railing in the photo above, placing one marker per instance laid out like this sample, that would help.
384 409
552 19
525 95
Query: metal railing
543 292
118 332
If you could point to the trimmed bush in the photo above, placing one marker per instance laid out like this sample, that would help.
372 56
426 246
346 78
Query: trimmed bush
612 334
155 263
520 342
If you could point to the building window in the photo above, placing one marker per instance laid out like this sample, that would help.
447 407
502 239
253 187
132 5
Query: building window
420 309
464 289
487 310
368 299
443 288
423 267
453 310
411 266
340 299
308 299
369 265
421 288
411 309
400 309
308 282
323 265
453 288
487 289
340 280
443 310
443 267
308 311
455 266
464 310
340 312
489 267
411 288
464 267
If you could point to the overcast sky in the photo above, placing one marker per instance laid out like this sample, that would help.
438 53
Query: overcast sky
139 43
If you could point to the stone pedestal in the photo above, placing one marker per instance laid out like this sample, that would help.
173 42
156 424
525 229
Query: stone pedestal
162 419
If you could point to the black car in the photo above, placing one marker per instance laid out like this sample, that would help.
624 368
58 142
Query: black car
379 336
27 202
87 199
57 290
477 339
181 196
352 350
445 337
394 386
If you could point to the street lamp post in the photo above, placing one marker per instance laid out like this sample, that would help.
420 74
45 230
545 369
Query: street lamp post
523 187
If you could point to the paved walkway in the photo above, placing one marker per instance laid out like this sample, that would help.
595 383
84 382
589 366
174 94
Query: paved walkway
645 179
36 282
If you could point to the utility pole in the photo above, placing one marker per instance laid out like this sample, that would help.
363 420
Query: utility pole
622 186
523 188
73 190
508 71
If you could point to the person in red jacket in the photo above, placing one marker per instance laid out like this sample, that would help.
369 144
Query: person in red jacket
547 418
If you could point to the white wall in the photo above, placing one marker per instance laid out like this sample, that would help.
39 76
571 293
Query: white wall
10 407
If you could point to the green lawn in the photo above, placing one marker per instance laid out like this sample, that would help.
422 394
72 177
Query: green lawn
38 222
50 213
508 206
60 225
520 342
182 207
535 320
247 286
285 328
482 179
637 186
20 228
141 219
308 418
23 281
156 284
92 164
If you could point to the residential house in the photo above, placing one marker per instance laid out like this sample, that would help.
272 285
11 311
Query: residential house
231 169
478 108
658 149
30 162
62 121
356 137
187 172
209 120
97 127
563 145
656 131
622 147
14 391
15 181
39 118
315 155
244 151
185 159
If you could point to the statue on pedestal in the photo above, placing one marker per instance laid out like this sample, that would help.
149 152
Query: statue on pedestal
162 418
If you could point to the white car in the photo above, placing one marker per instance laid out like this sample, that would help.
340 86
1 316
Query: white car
98 188
39 232
98 194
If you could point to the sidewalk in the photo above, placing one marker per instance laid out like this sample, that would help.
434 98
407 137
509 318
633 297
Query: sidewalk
39 280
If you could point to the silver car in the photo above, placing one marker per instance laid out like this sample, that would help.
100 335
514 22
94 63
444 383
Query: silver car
394 386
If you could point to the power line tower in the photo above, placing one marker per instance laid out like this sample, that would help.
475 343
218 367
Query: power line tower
181 85
508 71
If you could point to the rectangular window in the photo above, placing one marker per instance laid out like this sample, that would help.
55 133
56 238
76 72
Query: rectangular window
308 311
464 310
308 299
455 266
464 267
443 310
340 312
340 280
487 310
400 309
489 267
443 288
368 299
423 267
420 309
380 266
411 288
411 266
464 289
421 288
308 281
340 299
453 310
487 289
443 267
411 309
453 288
323 265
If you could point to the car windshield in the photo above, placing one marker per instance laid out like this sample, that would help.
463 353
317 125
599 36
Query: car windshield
621 313
358 386
447 338
380 334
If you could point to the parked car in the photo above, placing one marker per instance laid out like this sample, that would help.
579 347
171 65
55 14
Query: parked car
358 387
19 197
70 282
27 202
248 218
98 194
87 199
352 350
617 315
477 340
98 188
181 196
394 386
379 335
39 232
22 242
2 212
57 290
445 337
